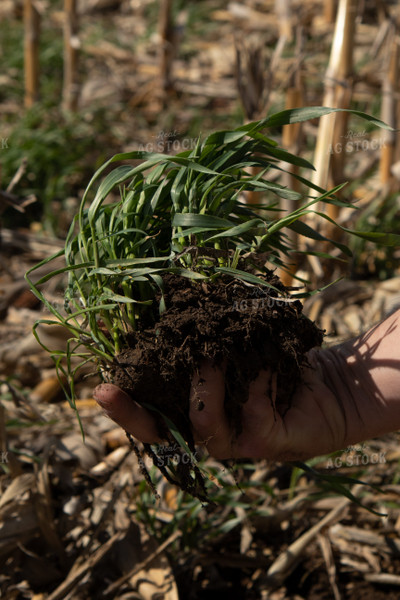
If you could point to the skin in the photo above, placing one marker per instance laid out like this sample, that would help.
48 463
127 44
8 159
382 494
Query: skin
350 393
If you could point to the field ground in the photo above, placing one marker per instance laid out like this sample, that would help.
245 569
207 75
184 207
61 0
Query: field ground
76 519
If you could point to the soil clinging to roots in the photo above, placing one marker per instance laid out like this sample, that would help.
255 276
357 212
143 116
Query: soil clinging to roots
247 327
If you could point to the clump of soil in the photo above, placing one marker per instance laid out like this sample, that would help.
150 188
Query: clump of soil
249 327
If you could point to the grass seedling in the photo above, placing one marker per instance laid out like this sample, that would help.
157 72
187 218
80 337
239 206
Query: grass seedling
183 216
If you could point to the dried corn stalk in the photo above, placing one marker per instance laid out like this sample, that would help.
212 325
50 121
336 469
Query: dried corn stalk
31 52
330 7
338 91
291 135
389 105
166 44
71 48
285 20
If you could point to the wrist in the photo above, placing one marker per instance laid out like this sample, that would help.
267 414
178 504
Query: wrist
364 378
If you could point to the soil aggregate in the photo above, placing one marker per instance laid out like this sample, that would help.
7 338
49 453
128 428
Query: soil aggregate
247 327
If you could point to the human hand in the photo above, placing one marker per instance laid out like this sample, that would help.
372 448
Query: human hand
313 425
350 393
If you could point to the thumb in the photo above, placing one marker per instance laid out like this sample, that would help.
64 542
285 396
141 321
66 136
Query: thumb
127 413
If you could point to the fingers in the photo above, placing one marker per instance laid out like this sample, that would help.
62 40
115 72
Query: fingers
210 425
207 414
206 411
260 423
258 407
127 413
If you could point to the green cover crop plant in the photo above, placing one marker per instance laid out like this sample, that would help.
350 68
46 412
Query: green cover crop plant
166 265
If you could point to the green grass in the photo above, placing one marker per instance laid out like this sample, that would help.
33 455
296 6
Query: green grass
56 147
382 214
155 214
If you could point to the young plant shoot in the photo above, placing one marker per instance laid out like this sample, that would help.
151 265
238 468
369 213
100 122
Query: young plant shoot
166 266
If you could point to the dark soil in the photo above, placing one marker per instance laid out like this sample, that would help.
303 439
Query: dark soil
249 327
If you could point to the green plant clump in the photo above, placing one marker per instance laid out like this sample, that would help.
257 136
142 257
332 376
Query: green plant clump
182 216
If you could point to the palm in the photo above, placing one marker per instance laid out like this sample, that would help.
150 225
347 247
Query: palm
350 394
313 425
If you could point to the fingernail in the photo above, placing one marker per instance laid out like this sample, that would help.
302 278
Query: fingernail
101 396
